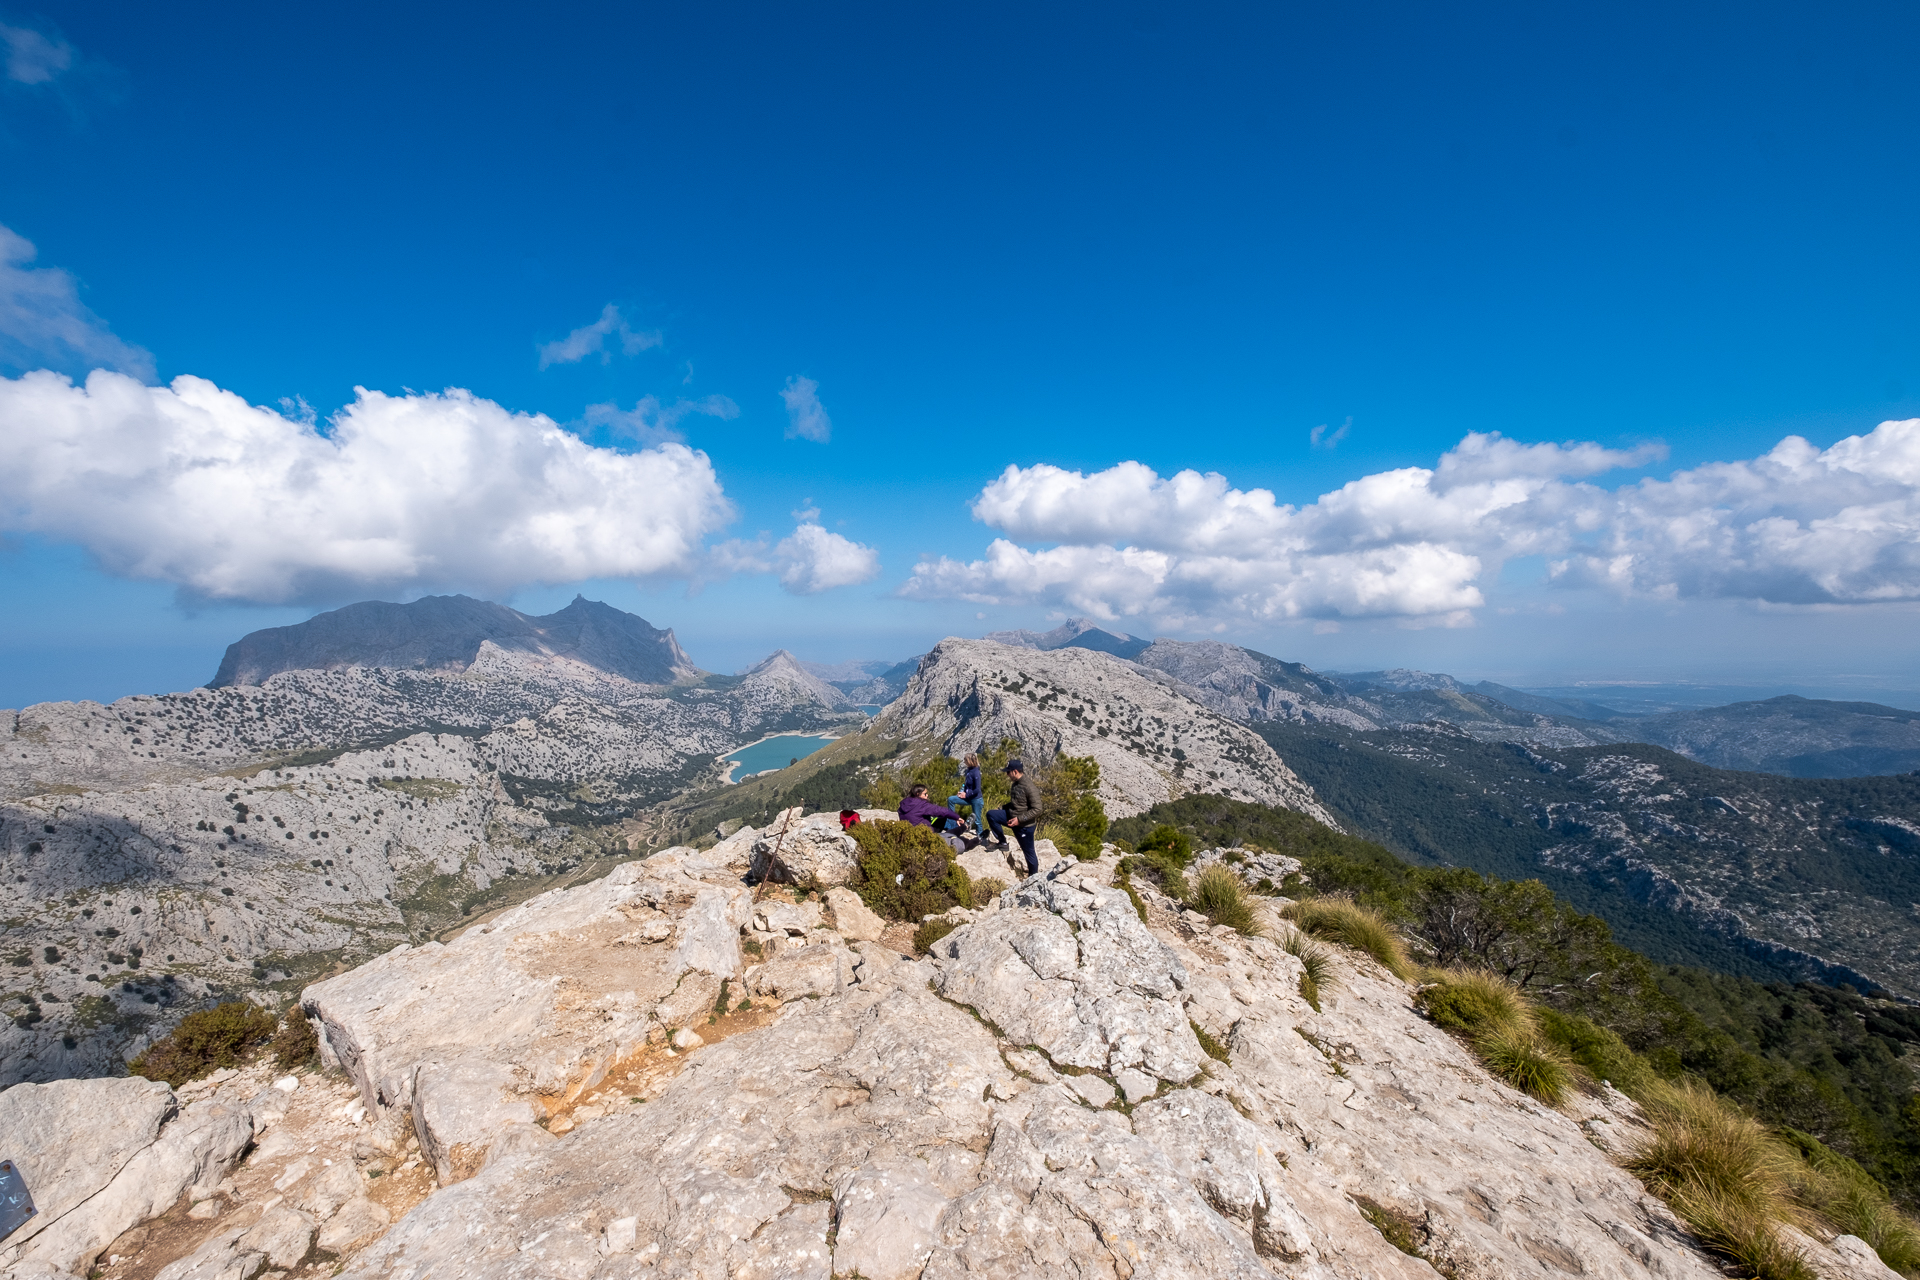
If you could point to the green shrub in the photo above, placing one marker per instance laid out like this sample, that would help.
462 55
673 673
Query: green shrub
1219 895
205 1041
295 1044
1316 965
1163 855
930 932
884 792
1167 845
940 774
1597 1050
907 872
1076 820
1352 925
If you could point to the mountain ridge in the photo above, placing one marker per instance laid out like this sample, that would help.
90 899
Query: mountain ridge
446 633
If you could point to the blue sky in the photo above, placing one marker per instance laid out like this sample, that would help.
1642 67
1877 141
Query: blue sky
1055 238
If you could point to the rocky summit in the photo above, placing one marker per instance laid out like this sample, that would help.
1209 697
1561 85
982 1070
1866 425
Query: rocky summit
669 1073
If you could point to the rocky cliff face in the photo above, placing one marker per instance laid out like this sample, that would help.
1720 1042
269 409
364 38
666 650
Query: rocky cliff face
128 908
445 633
659 1074
1154 742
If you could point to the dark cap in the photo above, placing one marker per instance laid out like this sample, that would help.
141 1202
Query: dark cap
1015 764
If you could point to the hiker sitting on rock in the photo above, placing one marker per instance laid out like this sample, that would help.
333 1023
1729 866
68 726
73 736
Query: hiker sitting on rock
1022 811
922 812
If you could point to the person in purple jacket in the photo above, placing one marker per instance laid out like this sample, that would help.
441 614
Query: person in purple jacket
922 812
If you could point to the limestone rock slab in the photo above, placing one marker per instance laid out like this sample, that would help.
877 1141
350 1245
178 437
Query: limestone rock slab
852 917
888 1216
459 1107
810 850
68 1139
1072 969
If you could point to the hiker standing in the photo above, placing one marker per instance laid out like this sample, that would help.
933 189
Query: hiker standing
922 812
970 794
1022 811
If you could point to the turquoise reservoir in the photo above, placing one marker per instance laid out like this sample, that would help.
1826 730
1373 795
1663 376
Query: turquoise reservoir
774 753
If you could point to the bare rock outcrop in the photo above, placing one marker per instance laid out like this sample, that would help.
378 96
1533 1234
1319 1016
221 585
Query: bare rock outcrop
1031 1096
517 1015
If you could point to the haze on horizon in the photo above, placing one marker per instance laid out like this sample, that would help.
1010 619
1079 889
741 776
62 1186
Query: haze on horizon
1513 345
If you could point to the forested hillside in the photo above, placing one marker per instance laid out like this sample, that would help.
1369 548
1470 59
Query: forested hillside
1746 873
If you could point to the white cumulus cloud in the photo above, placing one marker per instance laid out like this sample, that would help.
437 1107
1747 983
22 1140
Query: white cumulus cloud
809 560
192 485
591 340
1800 525
33 58
812 559
806 417
1190 551
43 323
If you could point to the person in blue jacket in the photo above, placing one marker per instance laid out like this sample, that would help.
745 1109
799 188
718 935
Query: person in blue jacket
970 794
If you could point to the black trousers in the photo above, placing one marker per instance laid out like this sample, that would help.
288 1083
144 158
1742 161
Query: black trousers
1023 833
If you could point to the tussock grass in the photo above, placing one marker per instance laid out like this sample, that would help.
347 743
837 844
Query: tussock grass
1352 925
1724 1175
1528 1063
1850 1200
1316 965
1493 1016
1475 1003
1218 894
986 889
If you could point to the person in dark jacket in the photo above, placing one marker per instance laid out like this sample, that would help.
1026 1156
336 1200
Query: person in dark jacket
922 812
1021 813
970 794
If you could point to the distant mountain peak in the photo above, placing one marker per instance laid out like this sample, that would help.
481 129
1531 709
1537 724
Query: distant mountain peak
446 633
1074 633
781 667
